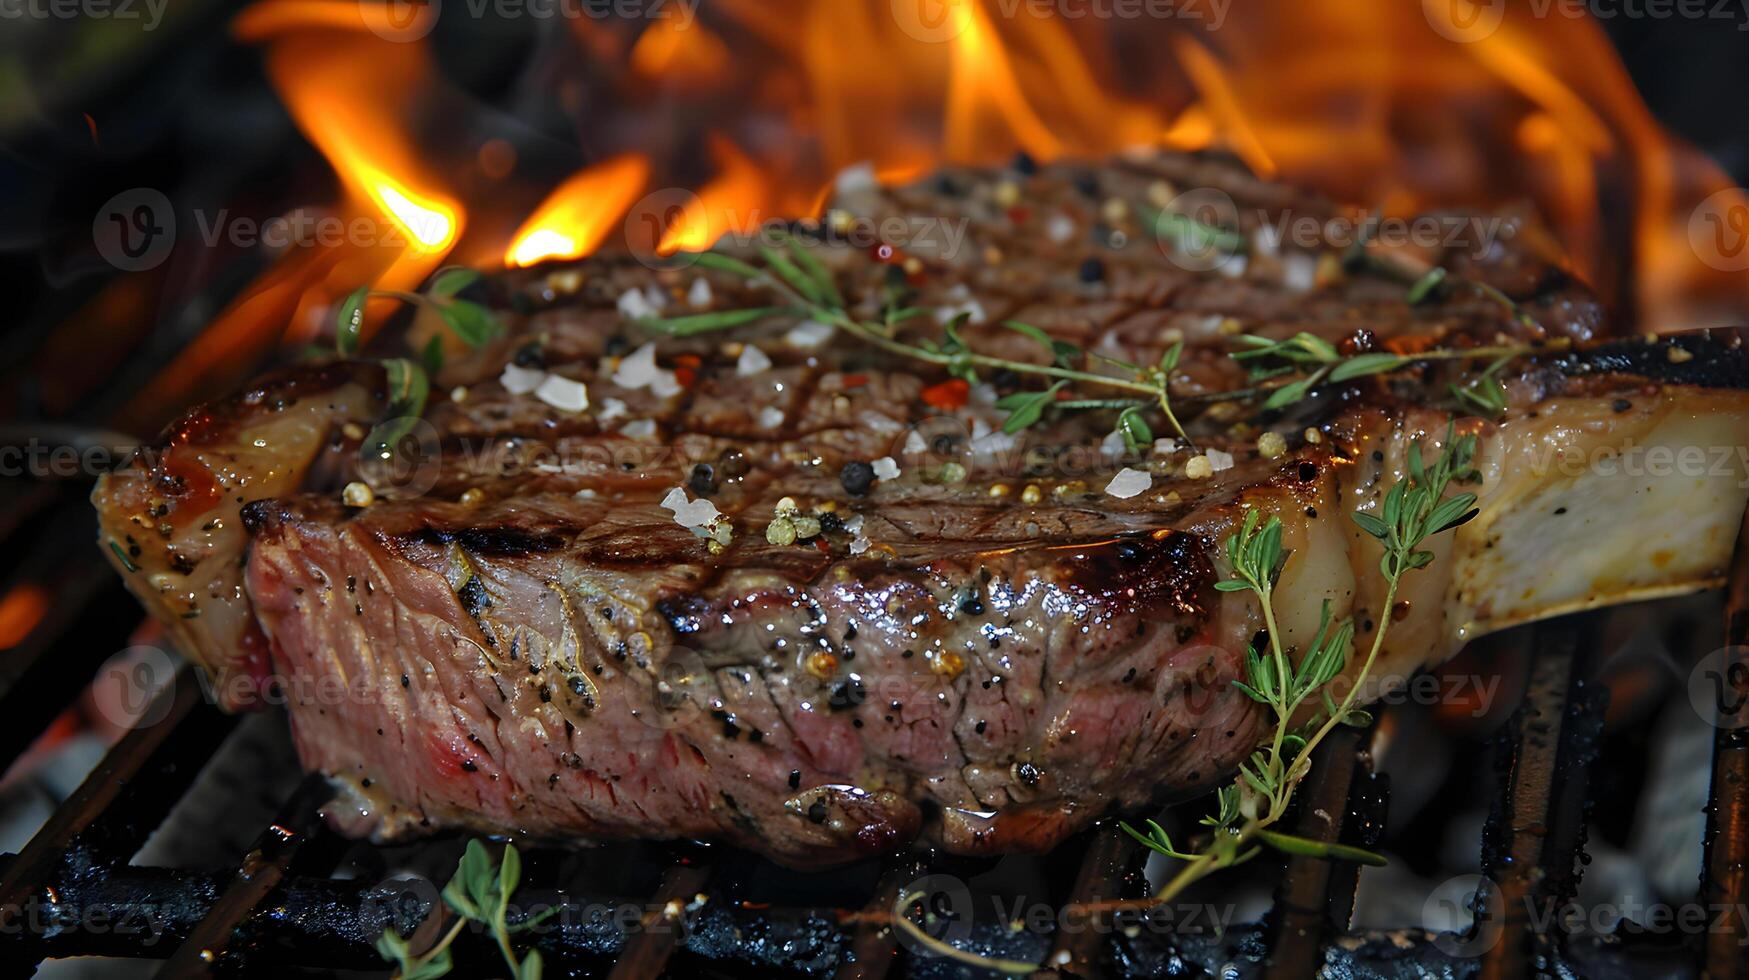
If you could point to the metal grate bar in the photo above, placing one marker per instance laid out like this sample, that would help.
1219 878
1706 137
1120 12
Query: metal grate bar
874 948
260 873
133 754
646 953
1302 905
1111 858
1538 824
1725 883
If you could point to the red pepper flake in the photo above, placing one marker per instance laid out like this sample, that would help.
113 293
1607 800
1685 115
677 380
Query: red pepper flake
686 369
948 395
820 543
1019 215
850 381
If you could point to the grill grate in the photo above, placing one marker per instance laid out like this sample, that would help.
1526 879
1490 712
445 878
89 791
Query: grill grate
282 911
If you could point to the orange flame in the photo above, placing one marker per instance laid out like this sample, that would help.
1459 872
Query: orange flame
1406 106
718 206
577 216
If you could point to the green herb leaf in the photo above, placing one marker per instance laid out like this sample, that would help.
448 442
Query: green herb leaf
531 966
1186 234
1290 844
1170 357
1136 433
431 356
122 556
1026 408
349 321
473 890
725 263
824 283
697 323
1364 364
472 323
1425 286
1062 352
1371 524
450 281
794 277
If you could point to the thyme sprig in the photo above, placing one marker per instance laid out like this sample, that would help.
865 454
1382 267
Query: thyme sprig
1246 811
480 893
1413 510
409 381
810 292
1312 361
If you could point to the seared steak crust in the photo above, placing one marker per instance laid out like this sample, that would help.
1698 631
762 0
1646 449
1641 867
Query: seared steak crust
986 649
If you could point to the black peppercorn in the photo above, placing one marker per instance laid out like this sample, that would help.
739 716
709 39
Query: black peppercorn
1092 270
857 477
703 481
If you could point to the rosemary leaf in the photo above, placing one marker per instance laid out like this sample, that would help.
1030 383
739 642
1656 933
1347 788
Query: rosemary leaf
1424 287
697 323
725 263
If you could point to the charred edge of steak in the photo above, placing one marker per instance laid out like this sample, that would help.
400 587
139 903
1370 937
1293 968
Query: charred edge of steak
497 542
1701 359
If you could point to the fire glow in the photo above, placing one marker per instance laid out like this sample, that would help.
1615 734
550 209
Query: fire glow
1398 107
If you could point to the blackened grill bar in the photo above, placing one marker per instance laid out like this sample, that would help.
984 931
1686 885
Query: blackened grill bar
315 922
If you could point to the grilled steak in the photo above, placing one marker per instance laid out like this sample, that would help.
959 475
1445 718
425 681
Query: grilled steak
534 627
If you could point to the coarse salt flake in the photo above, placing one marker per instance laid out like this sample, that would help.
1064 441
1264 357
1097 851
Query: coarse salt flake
563 393
809 333
638 370
519 380
752 361
634 305
886 468
1128 482
1219 461
689 513
770 417
698 295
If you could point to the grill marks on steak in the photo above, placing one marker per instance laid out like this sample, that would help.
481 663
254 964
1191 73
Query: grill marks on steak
533 645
